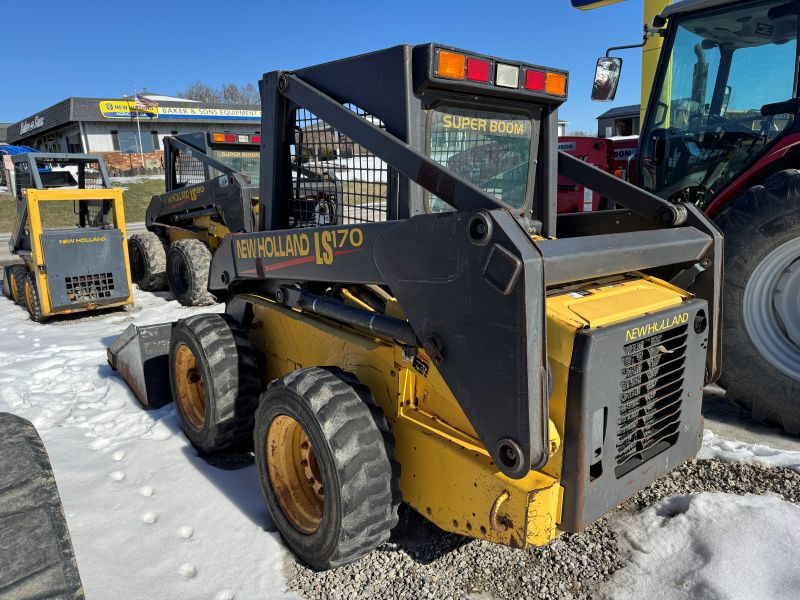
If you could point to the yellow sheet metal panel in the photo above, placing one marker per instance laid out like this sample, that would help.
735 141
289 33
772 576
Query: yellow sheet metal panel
615 301
446 473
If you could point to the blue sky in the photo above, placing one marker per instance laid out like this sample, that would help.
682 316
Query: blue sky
100 49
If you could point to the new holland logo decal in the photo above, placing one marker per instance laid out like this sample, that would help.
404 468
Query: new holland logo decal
635 333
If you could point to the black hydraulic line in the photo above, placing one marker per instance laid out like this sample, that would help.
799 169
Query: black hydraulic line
650 206
433 177
377 323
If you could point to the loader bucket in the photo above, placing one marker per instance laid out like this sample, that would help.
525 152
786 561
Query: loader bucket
141 356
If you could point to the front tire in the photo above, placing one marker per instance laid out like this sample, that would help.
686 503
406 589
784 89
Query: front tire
215 384
761 317
327 466
188 263
148 261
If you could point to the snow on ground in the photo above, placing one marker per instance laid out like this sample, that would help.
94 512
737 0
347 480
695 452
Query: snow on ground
718 447
357 168
148 518
711 546
135 178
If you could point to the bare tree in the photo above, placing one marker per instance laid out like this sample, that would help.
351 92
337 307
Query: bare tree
581 134
236 94
229 93
201 92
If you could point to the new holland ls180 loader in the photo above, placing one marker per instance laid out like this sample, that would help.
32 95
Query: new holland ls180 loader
67 269
453 344
211 191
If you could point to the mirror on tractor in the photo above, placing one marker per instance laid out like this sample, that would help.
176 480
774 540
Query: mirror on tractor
606 78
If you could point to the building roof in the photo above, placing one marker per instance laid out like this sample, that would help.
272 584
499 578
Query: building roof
123 110
4 131
163 98
621 111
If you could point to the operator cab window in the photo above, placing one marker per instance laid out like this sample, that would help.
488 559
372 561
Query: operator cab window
489 149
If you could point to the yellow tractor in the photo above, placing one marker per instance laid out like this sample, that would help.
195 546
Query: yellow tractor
451 342
67 269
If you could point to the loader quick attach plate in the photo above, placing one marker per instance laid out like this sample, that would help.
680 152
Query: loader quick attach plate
84 266
633 414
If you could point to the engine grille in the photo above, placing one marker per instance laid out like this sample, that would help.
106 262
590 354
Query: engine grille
84 288
650 402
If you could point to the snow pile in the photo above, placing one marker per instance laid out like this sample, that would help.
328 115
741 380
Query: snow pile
711 546
148 517
715 446
357 168
134 178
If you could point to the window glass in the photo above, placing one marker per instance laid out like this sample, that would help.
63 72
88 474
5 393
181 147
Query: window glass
131 143
707 126
489 149
245 162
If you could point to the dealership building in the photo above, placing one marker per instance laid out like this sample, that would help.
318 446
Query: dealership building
99 125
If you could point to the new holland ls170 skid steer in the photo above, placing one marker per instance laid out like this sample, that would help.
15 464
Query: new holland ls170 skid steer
451 343
67 269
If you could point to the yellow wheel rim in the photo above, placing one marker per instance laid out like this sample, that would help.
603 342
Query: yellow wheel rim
12 284
295 475
190 388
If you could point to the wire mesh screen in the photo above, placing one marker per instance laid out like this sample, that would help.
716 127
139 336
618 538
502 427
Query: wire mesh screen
59 173
336 181
188 170
23 179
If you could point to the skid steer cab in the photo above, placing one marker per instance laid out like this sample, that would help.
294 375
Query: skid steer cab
70 235
451 342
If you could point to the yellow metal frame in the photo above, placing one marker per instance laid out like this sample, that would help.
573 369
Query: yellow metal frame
213 232
33 198
447 474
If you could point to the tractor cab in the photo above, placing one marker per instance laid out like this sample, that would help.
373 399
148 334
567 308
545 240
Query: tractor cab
722 96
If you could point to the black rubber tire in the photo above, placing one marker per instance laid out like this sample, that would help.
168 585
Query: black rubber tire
36 550
188 262
148 261
32 301
356 455
230 376
754 225
19 272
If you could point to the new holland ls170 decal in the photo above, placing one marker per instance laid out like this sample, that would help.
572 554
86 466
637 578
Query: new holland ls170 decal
320 247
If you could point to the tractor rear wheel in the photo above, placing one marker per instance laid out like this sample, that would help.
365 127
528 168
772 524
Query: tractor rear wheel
32 300
16 282
148 261
188 262
215 384
761 319
327 465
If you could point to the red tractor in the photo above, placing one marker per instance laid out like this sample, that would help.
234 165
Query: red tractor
721 132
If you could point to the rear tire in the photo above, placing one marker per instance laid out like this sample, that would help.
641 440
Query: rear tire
761 363
16 282
148 261
214 379
32 301
335 498
188 263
